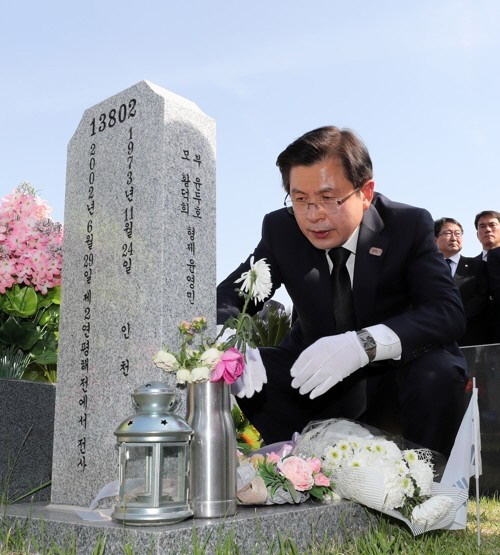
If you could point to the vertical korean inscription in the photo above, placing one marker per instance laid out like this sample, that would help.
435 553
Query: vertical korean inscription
191 205
127 252
88 262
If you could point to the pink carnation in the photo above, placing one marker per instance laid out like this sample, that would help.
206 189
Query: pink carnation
298 471
273 457
314 463
230 366
321 480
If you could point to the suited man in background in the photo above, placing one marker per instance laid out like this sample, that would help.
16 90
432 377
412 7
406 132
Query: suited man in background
470 275
377 311
487 224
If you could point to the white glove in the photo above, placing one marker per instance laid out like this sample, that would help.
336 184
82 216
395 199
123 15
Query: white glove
254 376
327 362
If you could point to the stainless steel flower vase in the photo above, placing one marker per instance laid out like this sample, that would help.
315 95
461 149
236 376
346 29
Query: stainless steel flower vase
213 450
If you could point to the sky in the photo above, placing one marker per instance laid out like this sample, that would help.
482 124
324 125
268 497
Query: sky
418 81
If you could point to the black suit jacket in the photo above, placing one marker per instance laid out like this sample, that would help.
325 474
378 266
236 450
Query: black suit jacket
400 279
493 266
472 281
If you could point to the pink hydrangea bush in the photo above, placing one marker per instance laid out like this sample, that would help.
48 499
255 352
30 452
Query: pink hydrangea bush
30 242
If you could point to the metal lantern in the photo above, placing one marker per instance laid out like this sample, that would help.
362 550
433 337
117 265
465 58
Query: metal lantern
153 460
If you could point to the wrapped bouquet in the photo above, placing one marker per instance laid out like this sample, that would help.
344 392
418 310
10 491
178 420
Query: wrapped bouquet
276 479
375 472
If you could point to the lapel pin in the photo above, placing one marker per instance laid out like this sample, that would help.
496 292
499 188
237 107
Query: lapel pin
376 251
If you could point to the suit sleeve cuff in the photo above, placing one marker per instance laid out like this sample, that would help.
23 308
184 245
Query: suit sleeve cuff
388 343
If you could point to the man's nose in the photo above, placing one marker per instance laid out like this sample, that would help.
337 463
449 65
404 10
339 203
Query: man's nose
314 212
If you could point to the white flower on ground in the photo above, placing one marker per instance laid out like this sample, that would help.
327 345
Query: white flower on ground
393 486
166 361
423 475
408 487
331 456
184 376
344 448
211 357
410 456
433 510
257 280
200 374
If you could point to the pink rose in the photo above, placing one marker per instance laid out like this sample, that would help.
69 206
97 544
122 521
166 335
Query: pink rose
273 457
230 366
321 480
314 463
298 471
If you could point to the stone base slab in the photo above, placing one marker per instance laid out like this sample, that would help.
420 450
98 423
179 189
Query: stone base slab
254 529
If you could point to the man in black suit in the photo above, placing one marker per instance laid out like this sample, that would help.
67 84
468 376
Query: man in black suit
487 224
390 342
493 265
470 275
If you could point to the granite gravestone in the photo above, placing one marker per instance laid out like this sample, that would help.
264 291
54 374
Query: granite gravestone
139 257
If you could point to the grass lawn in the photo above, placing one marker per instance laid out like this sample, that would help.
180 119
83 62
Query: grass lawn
387 538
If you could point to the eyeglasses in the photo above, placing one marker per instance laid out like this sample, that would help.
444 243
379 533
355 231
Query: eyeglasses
330 205
449 233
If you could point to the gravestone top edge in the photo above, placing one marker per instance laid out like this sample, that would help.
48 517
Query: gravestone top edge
146 86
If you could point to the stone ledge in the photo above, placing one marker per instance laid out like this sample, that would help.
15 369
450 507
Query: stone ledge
254 529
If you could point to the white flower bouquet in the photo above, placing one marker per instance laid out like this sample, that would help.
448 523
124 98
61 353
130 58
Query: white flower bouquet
375 472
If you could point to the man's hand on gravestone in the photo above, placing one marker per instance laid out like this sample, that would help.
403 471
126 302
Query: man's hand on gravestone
327 362
254 376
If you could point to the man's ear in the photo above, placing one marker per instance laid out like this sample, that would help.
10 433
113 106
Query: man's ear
367 191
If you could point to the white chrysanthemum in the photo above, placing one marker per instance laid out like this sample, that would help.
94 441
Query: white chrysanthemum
410 455
423 475
393 489
401 467
356 461
257 280
378 448
184 376
408 487
211 356
344 447
332 457
166 361
200 374
364 457
392 451
433 510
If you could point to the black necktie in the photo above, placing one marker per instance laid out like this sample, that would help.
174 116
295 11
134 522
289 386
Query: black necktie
448 261
343 308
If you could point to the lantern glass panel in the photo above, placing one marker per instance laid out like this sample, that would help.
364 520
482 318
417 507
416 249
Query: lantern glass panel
174 474
138 474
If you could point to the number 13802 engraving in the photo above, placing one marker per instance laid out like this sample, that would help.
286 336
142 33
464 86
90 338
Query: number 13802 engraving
113 117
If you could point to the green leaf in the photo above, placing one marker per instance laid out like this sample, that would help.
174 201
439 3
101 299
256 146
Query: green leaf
50 315
20 301
53 296
47 357
24 334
